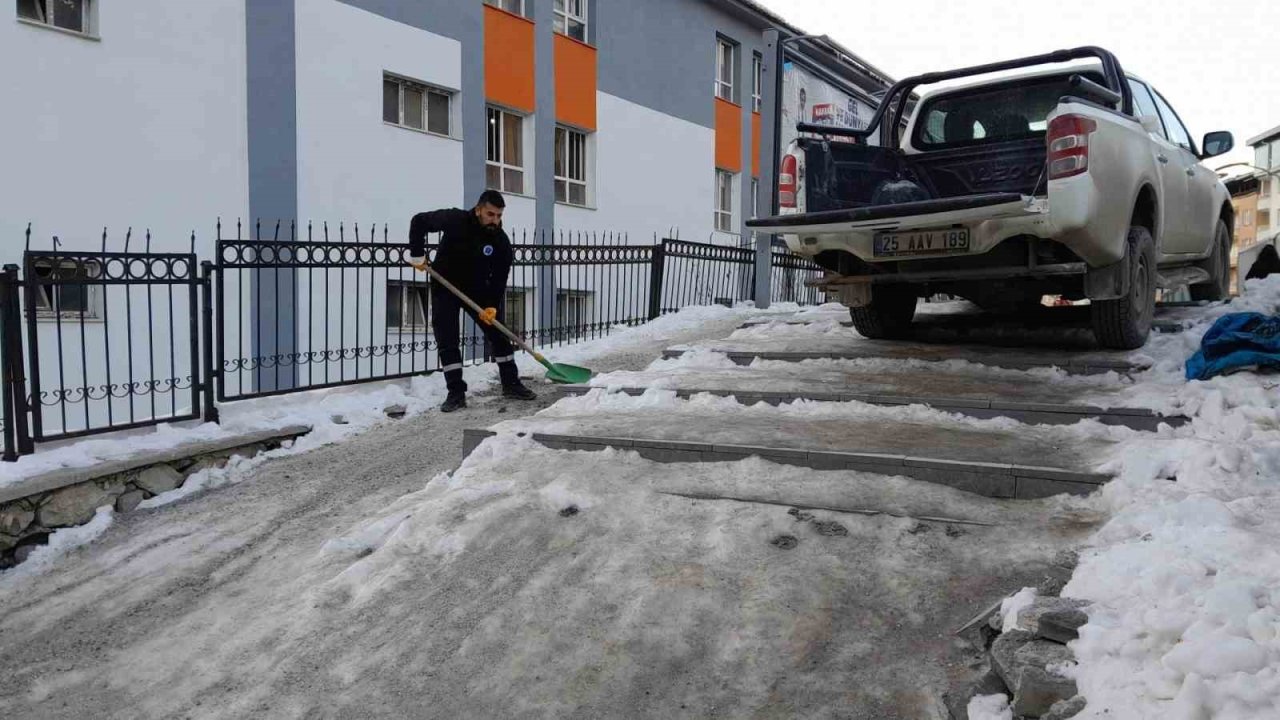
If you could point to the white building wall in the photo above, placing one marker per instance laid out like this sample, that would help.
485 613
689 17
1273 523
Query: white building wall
142 127
353 167
653 174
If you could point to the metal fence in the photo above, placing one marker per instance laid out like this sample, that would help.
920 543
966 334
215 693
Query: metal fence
92 342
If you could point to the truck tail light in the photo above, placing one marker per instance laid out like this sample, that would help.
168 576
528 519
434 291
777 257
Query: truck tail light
787 182
1068 140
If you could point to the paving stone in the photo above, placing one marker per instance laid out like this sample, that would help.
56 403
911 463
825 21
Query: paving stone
1053 473
1065 709
129 501
987 484
75 505
959 465
158 479
1037 488
1020 657
1038 690
1054 618
14 519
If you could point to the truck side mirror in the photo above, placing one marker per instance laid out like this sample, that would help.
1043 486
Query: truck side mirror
1216 143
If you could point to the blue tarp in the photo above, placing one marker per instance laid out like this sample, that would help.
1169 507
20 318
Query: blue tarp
1235 342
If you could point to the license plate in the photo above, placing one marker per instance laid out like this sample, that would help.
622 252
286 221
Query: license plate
922 242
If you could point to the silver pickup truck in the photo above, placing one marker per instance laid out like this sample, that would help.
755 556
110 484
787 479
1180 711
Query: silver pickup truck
1079 181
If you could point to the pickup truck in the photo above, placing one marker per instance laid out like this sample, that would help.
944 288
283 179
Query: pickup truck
1078 180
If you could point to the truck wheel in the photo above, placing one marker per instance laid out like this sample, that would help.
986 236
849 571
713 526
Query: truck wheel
889 315
1218 265
1125 322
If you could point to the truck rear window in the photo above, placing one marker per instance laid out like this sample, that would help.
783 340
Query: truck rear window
1001 113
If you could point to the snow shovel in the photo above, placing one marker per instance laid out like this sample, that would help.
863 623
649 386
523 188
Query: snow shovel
556 372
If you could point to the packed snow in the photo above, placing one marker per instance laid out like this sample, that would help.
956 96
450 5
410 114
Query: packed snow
990 707
1183 577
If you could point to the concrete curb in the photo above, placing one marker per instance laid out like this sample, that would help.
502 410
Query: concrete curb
1080 366
996 480
984 408
64 477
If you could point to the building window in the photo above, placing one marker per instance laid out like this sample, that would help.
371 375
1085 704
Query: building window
755 197
573 314
415 106
504 169
571 166
571 18
515 7
68 294
1264 188
407 305
513 307
725 54
757 83
724 201
71 15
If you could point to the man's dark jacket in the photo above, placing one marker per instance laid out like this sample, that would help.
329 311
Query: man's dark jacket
475 258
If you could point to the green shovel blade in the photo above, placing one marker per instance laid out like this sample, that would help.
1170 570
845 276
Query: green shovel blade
567 374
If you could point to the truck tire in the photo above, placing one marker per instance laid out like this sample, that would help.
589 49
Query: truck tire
1124 323
889 315
1218 265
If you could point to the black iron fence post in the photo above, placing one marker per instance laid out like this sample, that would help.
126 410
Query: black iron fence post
7 297
208 372
656 272
17 435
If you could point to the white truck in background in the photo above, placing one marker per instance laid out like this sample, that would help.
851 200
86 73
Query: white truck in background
1080 182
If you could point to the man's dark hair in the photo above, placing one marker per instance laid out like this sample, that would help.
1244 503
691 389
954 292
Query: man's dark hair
491 197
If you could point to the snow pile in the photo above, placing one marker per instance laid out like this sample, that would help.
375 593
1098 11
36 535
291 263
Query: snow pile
1185 577
990 707
62 542
361 406
1014 604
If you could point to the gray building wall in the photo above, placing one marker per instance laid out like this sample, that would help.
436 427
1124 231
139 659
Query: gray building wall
271 82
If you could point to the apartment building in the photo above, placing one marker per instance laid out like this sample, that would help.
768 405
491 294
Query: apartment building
593 115
1266 161
144 123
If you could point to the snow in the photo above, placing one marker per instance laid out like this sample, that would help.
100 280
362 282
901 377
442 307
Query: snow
990 707
62 542
360 405
1014 604
1185 577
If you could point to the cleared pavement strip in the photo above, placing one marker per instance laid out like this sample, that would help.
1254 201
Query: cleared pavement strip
1030 413
1081 363
1029 462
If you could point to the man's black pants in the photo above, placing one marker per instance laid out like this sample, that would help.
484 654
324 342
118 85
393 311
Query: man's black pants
446 327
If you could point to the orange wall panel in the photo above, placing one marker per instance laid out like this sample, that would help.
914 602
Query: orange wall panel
508 59
575 83
728 136
755 144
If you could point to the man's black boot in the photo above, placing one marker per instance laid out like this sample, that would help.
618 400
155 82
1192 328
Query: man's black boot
517 391
455 401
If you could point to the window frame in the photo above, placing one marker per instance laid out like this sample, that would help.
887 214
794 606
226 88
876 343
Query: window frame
1161 104
46 306
571 303
514 315
1138 87
402 84
564 17
562 160
407 297
501 163
88 18
498 5
726 214
726 89
757 83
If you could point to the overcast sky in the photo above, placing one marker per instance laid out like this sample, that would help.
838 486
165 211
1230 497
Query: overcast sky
1218 63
